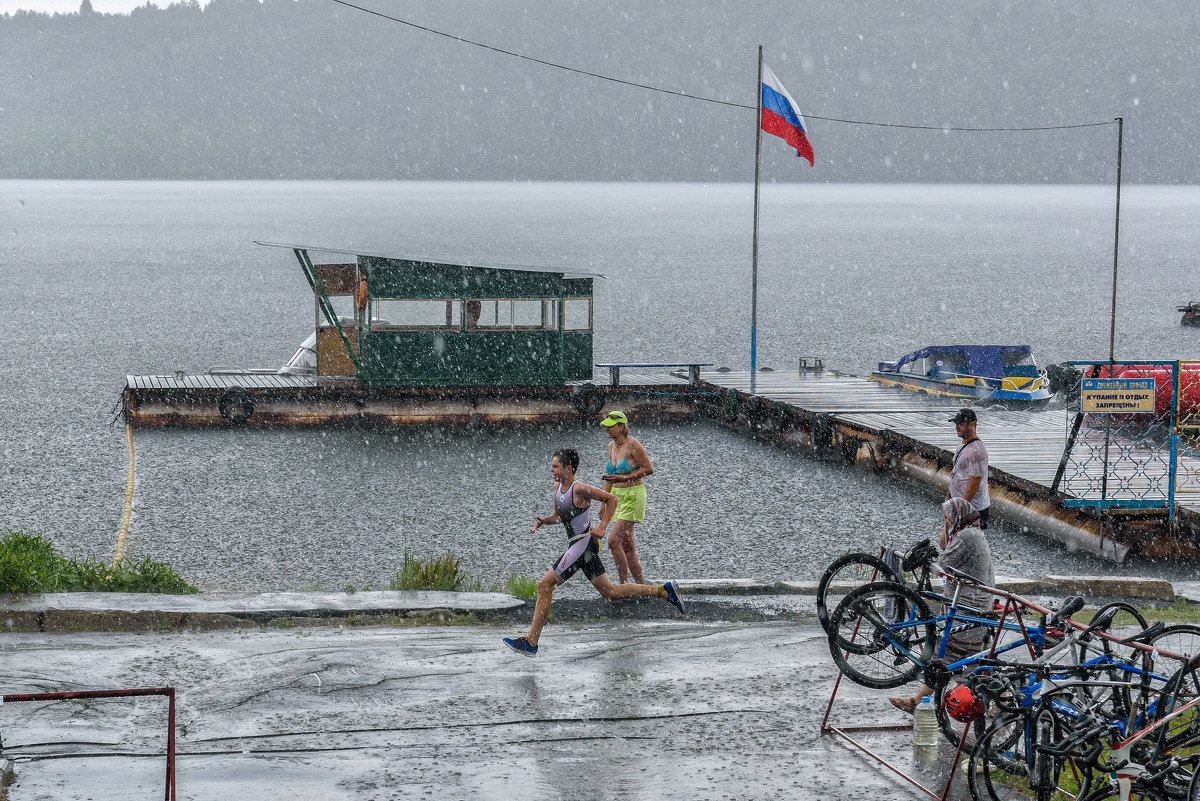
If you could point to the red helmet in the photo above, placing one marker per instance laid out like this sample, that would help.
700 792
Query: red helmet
962 705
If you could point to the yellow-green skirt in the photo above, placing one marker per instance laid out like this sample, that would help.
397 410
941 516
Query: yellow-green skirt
631 503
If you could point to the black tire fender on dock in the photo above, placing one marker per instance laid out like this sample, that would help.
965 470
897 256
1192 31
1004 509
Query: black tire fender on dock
588 399
729 405
236 405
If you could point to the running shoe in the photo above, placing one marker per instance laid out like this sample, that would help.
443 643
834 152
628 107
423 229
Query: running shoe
521 646
673 595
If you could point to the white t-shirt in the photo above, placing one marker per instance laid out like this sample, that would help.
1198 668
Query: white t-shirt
971 460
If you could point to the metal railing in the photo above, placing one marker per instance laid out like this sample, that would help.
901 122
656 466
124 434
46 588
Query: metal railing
169 692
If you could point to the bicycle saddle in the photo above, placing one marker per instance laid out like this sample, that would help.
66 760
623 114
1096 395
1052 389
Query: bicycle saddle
921 554
1148 634
965 578
1069 607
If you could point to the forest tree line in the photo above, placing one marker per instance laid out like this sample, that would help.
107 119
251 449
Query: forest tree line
282 89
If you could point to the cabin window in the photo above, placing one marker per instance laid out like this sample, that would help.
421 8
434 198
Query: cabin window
528 314
493 314
577 314
540 314
415 315
550 314
536 315
1019 365
951 362
1015 358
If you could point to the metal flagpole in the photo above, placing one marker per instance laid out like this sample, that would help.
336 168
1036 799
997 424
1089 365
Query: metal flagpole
754 247
1112 325
1112 328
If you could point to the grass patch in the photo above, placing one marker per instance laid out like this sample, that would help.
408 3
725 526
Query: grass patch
445 573
30 563
1181 611
521 587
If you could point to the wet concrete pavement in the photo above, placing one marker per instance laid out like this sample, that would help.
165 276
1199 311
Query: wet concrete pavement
632 708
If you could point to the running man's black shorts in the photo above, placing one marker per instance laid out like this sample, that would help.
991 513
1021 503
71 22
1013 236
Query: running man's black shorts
581 556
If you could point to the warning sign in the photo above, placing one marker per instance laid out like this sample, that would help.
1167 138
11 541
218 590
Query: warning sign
1117 395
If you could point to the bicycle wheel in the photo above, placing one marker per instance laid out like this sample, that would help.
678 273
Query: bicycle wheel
1005 764
1110 791
882 635
1126 621
849 572
1181 640
999 760
1183 729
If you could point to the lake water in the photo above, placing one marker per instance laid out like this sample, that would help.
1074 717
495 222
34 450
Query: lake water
105 279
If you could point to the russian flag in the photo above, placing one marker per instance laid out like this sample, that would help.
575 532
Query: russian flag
781 116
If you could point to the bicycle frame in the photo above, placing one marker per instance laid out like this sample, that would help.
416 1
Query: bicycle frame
1034 635
1124 771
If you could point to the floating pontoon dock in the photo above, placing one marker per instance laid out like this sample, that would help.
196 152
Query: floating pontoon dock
887 429
400 340
256 399
828 414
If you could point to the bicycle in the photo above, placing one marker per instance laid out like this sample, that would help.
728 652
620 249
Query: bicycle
878 628
1062 719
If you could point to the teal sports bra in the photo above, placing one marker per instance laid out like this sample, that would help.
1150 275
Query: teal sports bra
622 467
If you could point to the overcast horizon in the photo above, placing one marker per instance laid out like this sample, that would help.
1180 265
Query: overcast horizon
598 91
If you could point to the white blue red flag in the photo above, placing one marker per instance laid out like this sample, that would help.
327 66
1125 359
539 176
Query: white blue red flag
781 116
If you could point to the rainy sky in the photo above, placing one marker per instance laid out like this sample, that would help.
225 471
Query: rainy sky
234 89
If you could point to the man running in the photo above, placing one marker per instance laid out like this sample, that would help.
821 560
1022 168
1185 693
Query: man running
572 502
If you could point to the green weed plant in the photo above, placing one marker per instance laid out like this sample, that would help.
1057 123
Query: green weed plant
31 563
443 573
521 587
446 573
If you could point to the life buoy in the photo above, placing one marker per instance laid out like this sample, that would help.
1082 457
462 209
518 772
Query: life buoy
236 405
588 399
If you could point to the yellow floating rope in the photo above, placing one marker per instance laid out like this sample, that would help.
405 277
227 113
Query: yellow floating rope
128 511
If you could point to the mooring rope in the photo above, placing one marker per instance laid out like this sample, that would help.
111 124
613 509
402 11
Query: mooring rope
128 510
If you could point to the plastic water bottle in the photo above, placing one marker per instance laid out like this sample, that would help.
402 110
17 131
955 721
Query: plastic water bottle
925 725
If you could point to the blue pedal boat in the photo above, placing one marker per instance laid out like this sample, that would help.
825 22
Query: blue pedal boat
977 372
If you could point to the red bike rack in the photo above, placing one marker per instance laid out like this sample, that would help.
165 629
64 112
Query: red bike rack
169 692
1010 606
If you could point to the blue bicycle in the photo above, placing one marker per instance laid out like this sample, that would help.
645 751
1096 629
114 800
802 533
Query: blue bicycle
882 635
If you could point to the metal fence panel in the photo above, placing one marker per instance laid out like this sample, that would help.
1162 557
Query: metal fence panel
1120 442
1187 426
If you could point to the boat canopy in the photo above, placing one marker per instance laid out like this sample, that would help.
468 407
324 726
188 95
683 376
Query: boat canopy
989 361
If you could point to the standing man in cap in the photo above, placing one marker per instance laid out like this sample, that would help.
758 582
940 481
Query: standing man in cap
969 472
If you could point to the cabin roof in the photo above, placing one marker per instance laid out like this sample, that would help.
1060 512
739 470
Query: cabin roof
516 268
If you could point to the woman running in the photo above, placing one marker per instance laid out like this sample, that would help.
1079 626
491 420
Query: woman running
627 465
572 502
